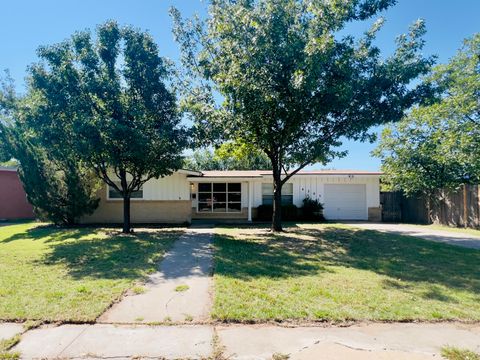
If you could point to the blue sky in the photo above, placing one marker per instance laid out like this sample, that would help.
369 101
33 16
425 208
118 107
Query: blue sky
25 25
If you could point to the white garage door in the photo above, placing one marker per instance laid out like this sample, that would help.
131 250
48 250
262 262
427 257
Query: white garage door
345 202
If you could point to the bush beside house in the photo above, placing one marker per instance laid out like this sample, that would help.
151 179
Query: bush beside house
312 210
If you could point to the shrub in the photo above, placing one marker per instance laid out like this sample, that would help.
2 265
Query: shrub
312 210
60 188
265 212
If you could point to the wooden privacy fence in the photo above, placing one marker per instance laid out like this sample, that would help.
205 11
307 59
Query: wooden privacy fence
448 207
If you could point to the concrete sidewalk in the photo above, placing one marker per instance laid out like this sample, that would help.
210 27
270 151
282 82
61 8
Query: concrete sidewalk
188 264
396 341
9 330
119 342
424 232
366 341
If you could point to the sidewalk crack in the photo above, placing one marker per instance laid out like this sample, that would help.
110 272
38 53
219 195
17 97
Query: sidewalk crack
71 342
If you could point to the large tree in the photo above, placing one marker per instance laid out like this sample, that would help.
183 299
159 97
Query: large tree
231 155
293 84
57 183
438 146
109 99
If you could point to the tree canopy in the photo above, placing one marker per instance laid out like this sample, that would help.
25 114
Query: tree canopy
58 184
231 155
438 146
107 97
292 84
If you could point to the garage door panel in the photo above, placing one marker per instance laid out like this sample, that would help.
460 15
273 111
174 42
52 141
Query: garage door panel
345 202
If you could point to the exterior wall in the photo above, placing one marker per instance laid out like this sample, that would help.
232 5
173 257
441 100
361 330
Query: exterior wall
314 187
243 215
173 187
375 214
165 200
13 200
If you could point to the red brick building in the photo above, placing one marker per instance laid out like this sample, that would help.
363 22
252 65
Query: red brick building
13 200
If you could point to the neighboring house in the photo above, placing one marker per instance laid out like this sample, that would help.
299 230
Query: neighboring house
187 195
13 200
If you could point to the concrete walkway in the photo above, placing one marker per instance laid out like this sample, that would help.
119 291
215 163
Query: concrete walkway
186 267
9 330
449 237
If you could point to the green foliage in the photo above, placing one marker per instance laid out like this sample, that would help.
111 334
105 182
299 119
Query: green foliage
292 85
312 209
438 146
289 212
57 183
232 155
8 100
107 98
61 190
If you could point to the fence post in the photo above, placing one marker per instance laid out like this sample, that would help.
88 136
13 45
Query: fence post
478 209
465 208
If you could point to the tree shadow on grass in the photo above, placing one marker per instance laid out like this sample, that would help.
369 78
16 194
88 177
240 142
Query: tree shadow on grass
272 257
307 251
49 233
110 257
405 258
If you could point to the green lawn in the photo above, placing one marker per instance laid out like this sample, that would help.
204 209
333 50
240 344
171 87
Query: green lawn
333 272
56 274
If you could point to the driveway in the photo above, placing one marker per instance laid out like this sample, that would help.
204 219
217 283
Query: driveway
424 232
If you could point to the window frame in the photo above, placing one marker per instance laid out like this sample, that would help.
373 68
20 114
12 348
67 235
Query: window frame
121 198
270 195
210 202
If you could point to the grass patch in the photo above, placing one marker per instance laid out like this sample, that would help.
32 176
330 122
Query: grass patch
9 355
137 290
182 288
452 353
53 274
335 272
278 356
7 344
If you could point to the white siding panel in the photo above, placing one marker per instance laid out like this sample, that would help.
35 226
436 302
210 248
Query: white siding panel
257 193
173 187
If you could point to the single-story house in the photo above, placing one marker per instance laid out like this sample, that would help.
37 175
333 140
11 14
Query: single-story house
13 199
235 195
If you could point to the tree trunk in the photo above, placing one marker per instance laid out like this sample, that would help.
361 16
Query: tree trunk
126 215
277 203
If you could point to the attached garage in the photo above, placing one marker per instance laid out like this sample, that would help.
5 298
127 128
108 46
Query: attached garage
345 202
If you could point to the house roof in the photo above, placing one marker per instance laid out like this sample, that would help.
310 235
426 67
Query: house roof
8 168
262 173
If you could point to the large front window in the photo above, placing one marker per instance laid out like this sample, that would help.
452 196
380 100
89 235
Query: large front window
267 194
114 194
219 197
